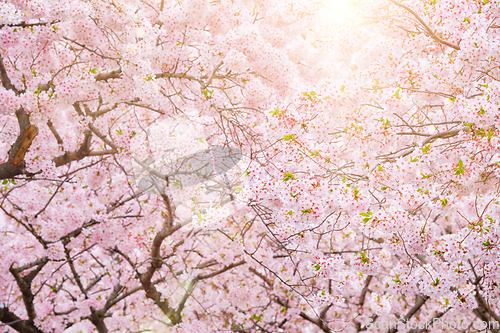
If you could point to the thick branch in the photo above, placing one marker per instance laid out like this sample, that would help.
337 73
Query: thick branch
76 155
117 74
15 166
24 284
97 318
20 325
7 84
156 263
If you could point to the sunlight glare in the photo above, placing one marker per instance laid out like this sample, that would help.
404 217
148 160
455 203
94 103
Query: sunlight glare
337 12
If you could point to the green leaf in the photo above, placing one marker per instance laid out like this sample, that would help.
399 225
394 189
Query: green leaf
368 216
310 95
491 133
460 170
424 176
289 137
481 132
258 318
317 267
364 259
426 149
288 176
396 94
275 112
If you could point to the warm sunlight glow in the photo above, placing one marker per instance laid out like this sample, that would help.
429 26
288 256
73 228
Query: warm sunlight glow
335 12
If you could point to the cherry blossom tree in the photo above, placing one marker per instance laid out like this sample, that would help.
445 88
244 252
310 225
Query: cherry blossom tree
207 166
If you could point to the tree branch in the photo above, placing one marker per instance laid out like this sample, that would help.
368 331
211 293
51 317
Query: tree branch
426 27
222 270
15 165
6 83
116 74
24 284
418 304
27 25
362 297
20 325
76 155
156 263
318 322
484 311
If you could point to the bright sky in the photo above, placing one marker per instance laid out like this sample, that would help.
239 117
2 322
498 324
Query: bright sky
337 11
